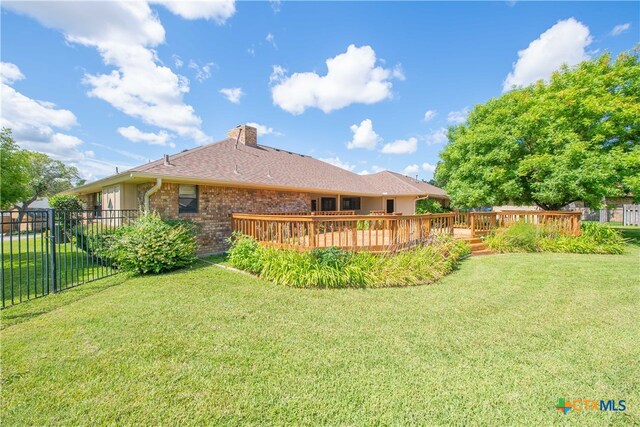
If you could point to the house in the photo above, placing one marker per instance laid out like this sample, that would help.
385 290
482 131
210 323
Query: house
32 221
208 183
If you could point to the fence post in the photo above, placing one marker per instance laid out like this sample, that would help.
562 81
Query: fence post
53 268
472 224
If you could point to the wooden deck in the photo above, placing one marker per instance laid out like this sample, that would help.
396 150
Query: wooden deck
385 233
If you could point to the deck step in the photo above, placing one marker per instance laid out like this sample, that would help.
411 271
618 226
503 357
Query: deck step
482 252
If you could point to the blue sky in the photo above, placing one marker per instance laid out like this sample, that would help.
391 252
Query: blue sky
100 85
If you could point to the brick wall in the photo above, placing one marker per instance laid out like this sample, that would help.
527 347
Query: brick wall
87 200
215 204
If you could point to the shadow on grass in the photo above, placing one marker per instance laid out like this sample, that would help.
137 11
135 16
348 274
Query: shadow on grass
215 259
632 234
27 310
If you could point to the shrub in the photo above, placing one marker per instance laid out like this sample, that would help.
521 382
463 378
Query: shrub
95 241
151 245
335 268
67 217
521 237
66 203
245 253
424 206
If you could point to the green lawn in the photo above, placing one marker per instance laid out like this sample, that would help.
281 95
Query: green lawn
495 343
25 263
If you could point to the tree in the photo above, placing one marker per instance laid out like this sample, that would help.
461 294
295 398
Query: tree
66 202
44 177
573 138
12 171
424 206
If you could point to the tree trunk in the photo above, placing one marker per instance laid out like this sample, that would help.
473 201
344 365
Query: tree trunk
552 207
22 210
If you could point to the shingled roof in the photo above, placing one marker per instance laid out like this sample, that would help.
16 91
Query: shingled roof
231 161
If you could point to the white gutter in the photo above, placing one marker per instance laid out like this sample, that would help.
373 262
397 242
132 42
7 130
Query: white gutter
147 195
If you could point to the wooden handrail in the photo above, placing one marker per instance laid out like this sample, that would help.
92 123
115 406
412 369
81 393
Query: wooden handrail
384 233
376 233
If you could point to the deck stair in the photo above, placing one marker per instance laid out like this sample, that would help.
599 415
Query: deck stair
478 246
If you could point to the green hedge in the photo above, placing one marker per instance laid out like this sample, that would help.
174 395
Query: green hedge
523 237
334 268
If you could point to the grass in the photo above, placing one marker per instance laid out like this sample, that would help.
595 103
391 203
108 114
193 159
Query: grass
497 342
25 263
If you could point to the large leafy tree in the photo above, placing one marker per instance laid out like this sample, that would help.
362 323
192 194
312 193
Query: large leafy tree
575 138
28 176
45 177
12 170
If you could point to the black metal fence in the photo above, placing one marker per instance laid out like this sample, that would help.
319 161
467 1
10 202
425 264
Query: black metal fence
47 251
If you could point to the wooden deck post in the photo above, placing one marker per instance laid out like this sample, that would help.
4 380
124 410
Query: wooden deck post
472 224
312 234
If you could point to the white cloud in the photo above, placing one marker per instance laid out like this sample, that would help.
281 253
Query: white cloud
125 33
263 129
364 172
376 168
202 72
415 169
177 61
411 170
233 94
271 39
364 136
124 153
436 137
276 5
92 169
428 167
352 77
619 29
458 116
36 125
10 73
398 72
564 43
401 146
429 115
335 161
218 10
134 134
277 74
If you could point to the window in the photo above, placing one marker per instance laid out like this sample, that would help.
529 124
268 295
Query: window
188 199
351 203
314 205
327 204
97 203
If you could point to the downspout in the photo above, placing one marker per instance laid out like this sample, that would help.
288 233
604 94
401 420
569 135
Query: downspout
147 195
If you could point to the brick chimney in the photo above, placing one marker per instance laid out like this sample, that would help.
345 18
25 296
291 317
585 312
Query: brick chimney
244 134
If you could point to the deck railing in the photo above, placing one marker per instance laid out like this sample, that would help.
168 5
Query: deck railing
379 233
564 222
479 223
314 213
386 233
